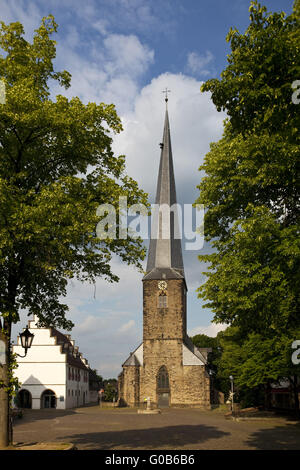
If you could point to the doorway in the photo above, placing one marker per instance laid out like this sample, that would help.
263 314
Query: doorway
48 399
25 399
163 388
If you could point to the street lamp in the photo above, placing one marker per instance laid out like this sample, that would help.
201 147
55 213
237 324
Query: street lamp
212 392
231 393
26 340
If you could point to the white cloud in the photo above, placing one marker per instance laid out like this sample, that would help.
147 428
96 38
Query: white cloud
194 123
110 72
127 326
126 55
101 25
211 330
198 63
141 16
27 12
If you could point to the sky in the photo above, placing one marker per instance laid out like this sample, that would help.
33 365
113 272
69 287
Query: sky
127 52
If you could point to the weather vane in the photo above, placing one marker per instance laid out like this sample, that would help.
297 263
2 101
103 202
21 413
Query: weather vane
166 91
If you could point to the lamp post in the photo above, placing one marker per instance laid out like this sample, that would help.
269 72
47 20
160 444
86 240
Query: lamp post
231 383
211 388
26 340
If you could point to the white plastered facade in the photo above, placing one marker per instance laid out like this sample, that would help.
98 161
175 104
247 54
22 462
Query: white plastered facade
52 365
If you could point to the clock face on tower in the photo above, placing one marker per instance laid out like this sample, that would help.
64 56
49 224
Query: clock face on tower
162 285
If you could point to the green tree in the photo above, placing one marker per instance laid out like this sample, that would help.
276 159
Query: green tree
204 341
251 189
214 357
99 377
56 167
110 390
256 362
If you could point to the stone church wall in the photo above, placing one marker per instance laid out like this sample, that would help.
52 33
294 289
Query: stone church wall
196 389
166 353
167 322
129 386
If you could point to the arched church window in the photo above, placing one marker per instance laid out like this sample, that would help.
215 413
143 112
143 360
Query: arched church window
163 378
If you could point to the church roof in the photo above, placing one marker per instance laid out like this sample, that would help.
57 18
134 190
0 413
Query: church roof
191 355
165 243
135 358
201 354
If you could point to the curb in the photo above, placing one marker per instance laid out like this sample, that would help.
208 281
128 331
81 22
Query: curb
71 447
149 412
41 446
250 418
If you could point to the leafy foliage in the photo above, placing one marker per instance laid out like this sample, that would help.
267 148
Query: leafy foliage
110 390
255 362
251 190
56 167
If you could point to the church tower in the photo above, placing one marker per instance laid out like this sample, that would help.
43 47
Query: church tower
166 367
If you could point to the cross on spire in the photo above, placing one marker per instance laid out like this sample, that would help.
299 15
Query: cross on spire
166 91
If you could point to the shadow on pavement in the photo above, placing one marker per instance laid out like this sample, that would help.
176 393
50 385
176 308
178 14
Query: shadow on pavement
276 438
36 415
153 438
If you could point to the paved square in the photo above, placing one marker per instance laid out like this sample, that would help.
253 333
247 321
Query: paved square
123 428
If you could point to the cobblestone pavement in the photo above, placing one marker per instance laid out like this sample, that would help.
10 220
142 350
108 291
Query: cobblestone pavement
110 429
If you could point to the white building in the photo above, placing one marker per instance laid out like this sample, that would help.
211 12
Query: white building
53 374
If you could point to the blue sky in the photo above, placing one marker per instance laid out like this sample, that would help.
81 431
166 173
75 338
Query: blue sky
126 52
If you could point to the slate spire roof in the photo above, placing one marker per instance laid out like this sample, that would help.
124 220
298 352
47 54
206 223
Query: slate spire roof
165 254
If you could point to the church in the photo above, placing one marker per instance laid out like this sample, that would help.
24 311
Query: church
166 367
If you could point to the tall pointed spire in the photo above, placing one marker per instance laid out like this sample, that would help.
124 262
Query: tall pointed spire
165 255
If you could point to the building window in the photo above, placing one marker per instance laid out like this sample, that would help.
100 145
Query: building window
48 399
162 301
163 378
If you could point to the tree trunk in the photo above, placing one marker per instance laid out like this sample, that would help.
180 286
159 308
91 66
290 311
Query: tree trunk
268 392
296 396
4 395
5 335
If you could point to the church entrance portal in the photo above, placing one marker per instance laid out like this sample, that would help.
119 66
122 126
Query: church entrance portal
163 388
